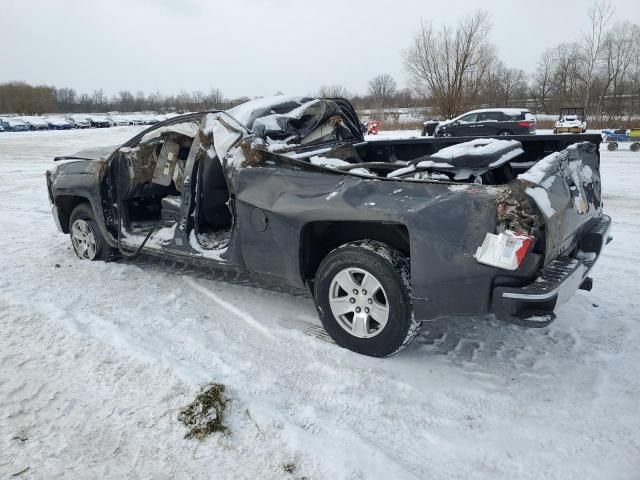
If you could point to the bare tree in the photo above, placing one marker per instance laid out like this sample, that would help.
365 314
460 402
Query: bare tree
333 91
98 99
542 79
215 99
616 57
449 65
382 88
512 84
600 14
634 71
125 101
568 63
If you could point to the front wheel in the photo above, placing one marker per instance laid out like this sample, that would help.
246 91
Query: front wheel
362 293
86 238
504 132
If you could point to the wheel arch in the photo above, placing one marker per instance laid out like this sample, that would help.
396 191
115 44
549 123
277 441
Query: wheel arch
65 205
321 237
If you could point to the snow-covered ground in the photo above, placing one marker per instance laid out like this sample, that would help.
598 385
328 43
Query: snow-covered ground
96 360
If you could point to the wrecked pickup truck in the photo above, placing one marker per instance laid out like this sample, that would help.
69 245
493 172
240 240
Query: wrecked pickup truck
384 234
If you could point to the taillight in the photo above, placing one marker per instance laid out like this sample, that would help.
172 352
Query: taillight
506 250
525 124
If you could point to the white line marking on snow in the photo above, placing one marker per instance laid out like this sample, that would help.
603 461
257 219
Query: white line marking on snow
248 318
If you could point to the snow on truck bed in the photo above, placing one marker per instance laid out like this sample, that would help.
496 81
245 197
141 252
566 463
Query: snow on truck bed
96 359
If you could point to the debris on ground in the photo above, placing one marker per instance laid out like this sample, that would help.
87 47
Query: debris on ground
205 415
17 474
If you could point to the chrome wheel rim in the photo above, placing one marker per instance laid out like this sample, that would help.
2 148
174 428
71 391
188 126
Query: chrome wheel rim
358 302
83 239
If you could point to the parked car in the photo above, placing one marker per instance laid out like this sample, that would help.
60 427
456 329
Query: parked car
571 120
117 121
98 121
384 234
57 123
78 121
429 127
489 122
36 123
10 124
136 120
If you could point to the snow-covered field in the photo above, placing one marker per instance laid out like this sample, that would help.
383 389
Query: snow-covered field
96 360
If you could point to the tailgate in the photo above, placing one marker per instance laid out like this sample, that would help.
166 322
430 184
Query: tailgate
566 188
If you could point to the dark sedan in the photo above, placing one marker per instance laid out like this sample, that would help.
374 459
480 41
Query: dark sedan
489 122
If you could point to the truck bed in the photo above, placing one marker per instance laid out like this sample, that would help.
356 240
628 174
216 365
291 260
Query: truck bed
535 147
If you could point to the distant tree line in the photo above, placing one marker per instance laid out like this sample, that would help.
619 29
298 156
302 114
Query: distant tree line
19 97
451 69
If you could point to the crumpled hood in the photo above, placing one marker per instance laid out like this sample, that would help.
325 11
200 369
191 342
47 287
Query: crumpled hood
96 153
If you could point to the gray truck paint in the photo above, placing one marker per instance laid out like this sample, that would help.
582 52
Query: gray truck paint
289 213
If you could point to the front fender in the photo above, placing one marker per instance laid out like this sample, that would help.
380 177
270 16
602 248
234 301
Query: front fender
74 182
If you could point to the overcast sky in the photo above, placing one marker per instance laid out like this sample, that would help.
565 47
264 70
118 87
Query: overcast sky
254 47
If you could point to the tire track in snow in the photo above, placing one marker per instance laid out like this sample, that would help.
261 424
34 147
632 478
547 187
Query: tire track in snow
244 316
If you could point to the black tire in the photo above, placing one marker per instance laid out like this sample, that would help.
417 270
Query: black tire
392 270
634 147
505 132
611 146
84 212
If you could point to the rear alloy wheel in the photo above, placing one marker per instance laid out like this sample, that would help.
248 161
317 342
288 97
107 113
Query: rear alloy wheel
362 293
447 134
86 238
358 302
504 132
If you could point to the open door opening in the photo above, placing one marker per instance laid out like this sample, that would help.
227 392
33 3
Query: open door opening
213 215
172 180
151 187
150 184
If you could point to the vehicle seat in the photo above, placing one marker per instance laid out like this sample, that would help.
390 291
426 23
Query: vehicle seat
170 208
214 195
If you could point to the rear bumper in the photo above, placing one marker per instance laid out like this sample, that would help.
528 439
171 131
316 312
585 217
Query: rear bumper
568 129
533 305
